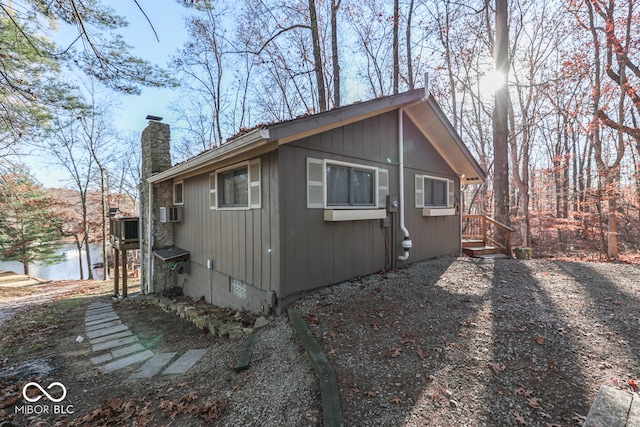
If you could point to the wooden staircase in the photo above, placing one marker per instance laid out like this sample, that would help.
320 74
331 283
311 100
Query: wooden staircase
484 237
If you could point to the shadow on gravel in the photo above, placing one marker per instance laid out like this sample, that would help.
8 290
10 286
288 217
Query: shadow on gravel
405 328
535 362
616 310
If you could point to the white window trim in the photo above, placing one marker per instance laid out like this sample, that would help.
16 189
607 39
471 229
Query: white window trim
350 165
173 196
213 195
252 204
345 213
447 210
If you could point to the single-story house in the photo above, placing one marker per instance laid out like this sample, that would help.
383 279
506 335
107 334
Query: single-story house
298 205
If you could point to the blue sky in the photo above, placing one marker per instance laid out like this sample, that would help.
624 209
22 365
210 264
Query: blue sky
167 18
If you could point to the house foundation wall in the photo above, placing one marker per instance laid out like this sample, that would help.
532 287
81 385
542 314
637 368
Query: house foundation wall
223 290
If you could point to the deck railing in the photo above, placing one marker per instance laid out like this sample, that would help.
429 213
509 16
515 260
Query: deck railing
490 231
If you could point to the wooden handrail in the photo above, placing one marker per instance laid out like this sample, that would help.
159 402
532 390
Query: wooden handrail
504 234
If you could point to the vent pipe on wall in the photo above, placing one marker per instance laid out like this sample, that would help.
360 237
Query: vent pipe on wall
406 242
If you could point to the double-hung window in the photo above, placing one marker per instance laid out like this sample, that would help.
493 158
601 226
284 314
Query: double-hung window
350 186
236 187
178 193
434 195
346 191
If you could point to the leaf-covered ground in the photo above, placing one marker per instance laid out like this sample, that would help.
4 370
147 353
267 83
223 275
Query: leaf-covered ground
466 342
446 342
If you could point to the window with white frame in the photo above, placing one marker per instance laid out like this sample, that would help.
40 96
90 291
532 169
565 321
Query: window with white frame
236 187
350 186
333 184
178 193
434 194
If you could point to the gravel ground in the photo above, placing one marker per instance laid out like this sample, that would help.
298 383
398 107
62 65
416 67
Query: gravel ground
468 342
446 342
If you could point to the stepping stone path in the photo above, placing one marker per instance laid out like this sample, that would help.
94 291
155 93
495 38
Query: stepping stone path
115 347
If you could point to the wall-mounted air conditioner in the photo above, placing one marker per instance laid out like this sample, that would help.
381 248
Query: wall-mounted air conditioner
171 214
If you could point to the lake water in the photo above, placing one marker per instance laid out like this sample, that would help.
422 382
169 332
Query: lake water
67 270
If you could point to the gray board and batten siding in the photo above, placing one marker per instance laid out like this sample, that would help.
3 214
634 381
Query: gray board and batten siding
317 253
243 244
255 258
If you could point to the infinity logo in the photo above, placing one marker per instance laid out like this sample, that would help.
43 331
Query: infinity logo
51 398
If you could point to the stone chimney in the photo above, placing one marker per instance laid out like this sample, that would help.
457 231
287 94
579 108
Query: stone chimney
156 157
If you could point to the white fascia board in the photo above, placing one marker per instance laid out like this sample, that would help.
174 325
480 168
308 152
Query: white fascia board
253 137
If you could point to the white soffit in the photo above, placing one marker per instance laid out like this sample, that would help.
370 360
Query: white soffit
428 121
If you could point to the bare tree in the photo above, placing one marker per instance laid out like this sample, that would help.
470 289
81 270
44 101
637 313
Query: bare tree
335 59
500 116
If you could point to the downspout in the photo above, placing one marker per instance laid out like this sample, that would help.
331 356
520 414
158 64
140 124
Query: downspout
406 241
150 241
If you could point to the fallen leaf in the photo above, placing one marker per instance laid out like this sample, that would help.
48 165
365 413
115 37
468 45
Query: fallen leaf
497 367
375 326
332 352
469 324
8 402
396 400
370 393
395 352
539 339
535 402
421 353
519 418
407 341
634 386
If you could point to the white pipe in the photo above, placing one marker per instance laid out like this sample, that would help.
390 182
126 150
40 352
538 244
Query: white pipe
150 241
406 242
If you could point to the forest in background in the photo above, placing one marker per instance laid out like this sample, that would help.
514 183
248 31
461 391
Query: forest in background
572 104
570 76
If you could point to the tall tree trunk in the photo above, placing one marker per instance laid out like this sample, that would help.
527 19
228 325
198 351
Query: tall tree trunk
500 117
317 56
396 54
409 54
79 247
612 228
85 224
335 5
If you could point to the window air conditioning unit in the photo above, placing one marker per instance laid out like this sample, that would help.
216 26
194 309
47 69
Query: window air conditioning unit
171 214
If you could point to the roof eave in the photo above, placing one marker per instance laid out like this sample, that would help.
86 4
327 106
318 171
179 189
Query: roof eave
470 172
213 155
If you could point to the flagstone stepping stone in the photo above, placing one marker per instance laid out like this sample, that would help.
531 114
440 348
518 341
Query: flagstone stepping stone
101 321
152 366
103 325
126 361
106 331
114 343
185 362
111 337
120 348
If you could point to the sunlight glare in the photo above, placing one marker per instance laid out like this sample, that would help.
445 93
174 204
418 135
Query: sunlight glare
491 82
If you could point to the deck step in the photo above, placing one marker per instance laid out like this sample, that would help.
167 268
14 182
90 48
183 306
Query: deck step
493 256
472 243
484 252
